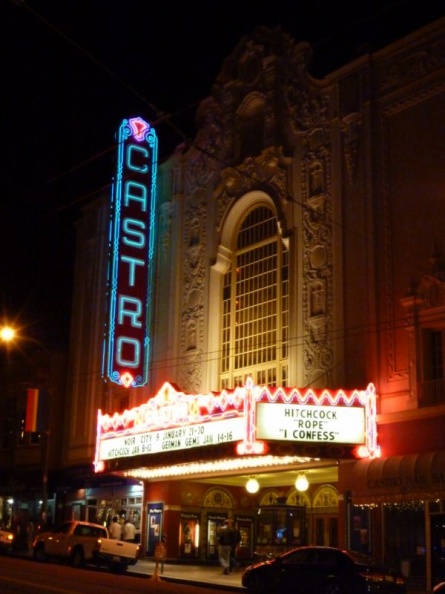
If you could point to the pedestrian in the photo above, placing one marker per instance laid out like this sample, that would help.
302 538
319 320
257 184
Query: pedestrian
236 539
115 529
129 532
225 539
164 551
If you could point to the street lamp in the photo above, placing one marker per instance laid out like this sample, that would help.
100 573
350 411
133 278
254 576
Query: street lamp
35 403
7 334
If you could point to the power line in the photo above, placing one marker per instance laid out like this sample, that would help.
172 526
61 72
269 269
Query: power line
158 113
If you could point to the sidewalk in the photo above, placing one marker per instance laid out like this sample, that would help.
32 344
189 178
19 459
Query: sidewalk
191 574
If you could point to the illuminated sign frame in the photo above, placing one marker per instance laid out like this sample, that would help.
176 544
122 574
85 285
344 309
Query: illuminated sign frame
173 421
131 239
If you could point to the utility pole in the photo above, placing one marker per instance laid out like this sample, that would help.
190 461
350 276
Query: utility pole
45 454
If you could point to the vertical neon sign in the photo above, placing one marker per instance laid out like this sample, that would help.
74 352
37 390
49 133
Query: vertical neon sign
132 229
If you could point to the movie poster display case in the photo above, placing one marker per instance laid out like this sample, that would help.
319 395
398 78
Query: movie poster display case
280 527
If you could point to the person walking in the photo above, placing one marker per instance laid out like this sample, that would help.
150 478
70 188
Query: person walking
129 532
236 539
225 539
115 529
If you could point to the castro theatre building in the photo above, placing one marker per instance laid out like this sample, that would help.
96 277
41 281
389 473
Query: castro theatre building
243 340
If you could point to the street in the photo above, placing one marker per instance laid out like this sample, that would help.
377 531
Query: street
23 575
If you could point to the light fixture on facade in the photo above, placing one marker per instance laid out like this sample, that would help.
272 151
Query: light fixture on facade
252 485
301 484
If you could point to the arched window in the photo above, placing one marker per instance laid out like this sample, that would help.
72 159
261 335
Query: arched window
255 305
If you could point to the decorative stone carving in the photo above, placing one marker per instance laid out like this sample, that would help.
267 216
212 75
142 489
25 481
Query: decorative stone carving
325 496
270 167
191 370
209 142
423 306
269 497
431 289
217 498
192 334
411 66
191 338
318 299
299 498
318 329
316 179
317 258
350 127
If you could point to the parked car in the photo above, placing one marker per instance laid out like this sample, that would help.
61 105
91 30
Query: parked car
84 543
439 588
6 540
324 570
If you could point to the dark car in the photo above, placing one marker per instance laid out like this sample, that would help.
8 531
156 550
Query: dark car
439 588
321 570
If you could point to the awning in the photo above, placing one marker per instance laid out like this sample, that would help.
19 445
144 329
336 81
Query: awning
396 478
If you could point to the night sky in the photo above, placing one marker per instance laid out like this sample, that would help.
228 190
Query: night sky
73 69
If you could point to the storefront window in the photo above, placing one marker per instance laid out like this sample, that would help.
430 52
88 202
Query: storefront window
103 510
405 537
360 537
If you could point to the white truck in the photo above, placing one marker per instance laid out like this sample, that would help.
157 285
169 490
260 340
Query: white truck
83 543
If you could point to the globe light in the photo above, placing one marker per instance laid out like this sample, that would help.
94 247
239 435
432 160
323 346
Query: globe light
301 484
252 485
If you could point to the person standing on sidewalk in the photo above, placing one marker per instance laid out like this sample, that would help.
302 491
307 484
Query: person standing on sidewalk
115 529
225 539
129 532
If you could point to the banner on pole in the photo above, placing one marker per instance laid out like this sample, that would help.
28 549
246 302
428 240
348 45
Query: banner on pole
36 411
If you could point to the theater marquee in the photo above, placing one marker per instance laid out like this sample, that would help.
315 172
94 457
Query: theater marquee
250 417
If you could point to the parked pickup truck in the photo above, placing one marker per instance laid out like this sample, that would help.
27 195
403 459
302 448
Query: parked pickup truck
83 543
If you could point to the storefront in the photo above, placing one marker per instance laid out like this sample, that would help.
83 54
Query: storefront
83 495
395 509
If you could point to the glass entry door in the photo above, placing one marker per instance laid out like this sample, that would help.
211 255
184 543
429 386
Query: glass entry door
325 530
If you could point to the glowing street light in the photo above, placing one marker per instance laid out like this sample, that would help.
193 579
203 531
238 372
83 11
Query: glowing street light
7 333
